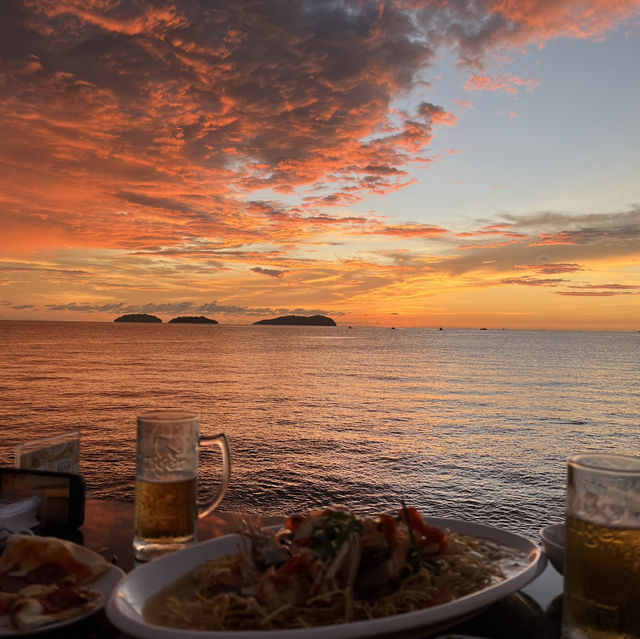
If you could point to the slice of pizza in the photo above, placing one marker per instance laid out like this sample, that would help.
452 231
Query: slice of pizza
49 559
43 579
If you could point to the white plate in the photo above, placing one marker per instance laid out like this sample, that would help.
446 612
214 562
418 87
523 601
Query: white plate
125 605
104 585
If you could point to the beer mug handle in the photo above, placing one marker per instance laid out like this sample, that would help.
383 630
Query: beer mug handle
221 440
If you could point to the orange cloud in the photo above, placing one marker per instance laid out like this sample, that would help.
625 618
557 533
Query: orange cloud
409 230
268 271
463 104
529 281
504 230
480 30
539 21
552 268
601 290
502 84
581 236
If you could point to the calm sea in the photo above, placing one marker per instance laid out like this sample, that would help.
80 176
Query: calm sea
470 424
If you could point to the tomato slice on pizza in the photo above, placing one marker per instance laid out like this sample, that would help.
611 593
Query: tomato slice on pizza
43 579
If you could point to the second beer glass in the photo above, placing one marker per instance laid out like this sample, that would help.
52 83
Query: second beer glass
602 553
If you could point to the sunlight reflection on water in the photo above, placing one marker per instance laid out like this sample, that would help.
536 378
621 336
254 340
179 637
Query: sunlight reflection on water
468 424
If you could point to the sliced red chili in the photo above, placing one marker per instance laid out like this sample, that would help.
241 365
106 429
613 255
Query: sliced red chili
438 536
389 529
428 534
293 522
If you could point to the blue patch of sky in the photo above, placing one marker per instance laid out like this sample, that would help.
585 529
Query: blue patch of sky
571 146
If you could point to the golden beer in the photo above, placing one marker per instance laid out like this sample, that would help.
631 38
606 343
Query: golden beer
165 512
602 581
166 506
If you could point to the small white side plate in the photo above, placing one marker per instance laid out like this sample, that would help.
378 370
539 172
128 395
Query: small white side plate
553 540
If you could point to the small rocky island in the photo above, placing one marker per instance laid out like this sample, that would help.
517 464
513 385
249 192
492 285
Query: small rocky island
200 319
138 317
299 320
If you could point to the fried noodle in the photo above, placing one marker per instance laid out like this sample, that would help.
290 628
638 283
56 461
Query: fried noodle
354 580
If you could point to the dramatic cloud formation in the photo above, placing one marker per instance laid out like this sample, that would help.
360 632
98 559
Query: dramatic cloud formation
157 152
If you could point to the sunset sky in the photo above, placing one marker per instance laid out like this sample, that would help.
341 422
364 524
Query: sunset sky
455 163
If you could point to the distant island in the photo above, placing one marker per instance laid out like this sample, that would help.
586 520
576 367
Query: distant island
299 320
138 317
200 319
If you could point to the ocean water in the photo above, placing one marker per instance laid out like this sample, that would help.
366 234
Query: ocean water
469 424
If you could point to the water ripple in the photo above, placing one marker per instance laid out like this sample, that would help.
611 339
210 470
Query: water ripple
469 424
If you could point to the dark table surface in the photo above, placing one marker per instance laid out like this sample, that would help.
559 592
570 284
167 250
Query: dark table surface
532 613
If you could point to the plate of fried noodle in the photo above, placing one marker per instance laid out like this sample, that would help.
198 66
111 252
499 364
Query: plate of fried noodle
328 573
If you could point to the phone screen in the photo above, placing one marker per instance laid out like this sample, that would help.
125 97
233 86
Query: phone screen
53 490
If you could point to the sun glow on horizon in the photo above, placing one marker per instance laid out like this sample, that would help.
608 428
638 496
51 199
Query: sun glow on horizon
350 159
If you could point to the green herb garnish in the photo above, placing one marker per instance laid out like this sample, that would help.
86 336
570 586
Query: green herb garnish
329 536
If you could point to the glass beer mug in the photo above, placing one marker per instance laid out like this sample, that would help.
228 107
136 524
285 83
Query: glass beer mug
602 552
166 504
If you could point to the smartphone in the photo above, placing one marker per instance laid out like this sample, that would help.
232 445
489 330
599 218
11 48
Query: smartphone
62 494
